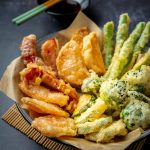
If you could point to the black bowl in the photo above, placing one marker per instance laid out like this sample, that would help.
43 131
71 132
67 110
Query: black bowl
66 9
27 117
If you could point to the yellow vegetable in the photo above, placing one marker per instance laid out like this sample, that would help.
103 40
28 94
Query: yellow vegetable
81 106
92 113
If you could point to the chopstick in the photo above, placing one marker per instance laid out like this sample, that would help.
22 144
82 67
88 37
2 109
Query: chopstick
33 12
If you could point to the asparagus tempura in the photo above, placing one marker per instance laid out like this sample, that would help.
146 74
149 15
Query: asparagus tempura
145 60
121 36
126 52
108 42
140 44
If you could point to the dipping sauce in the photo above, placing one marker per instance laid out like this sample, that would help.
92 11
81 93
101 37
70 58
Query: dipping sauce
64 7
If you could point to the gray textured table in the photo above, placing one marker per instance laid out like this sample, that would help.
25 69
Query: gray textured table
99 11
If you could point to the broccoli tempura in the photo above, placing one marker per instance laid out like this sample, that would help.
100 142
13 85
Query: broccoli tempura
136 114
138 80
91 84
114 92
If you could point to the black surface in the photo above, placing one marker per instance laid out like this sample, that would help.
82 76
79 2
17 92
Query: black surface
100 11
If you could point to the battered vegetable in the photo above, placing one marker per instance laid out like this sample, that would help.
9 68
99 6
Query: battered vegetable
114 92
139 96
136 114
140 44
91 84
91 53
54 126
92 113
95 126
43 107
138 80
122 33
126 52
145 60
106 134
121 36
108 42
85 102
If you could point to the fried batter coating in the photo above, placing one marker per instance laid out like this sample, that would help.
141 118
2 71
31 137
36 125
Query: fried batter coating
33 114
60 85
94 126
79 35
106 134
53 126
83 104
92 54
95 111
70 64
34 72
28 50
49 51
36 75
44 94
43 107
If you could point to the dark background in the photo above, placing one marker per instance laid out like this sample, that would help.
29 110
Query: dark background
11 35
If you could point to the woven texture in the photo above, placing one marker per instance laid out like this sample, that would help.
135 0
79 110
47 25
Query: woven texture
15 119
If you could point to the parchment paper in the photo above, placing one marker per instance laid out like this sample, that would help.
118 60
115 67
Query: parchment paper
10 79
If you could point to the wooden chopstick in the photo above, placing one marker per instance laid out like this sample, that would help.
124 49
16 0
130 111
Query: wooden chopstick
33 12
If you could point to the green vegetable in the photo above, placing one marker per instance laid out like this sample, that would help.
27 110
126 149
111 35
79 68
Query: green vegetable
114 92
121 36
126 52
122 33
138 96
95 126
92 113
108 42
107 134
85 107
136 114
145 36
91 84
138 80
145 60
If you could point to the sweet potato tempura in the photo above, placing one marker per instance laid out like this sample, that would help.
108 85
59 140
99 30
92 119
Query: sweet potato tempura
79 35
70 64
53 126
92 54
44 94
43 107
